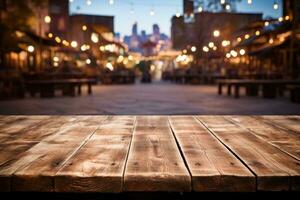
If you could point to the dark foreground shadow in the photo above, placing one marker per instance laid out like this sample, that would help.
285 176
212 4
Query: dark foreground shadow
145 196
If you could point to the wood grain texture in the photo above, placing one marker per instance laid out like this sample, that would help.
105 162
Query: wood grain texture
212 166
99 165
287 141
38 164
154 162
290 123
274 169
149 153
16 141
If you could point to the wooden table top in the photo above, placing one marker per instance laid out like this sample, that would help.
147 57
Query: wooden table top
114 154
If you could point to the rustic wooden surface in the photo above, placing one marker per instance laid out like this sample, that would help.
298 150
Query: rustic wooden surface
114 154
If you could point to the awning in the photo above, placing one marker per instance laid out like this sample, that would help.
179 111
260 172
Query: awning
277 44
40 40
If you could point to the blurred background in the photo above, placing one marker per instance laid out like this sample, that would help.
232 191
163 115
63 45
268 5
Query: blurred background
149 57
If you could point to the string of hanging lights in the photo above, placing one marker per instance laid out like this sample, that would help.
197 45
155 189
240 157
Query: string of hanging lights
200 8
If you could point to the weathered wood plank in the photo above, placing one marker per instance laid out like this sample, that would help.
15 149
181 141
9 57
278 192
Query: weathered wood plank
213 167
291 123
5 120
38 164
16 143
154 161
35 132
274 169
18 123
287 141
99 165
68 154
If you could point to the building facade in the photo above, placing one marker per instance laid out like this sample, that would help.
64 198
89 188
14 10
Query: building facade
59 13
83 26
201 31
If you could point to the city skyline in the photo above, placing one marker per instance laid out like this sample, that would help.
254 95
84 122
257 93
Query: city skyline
147 13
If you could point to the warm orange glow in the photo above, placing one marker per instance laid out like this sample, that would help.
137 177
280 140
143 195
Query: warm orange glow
66 43
267 23
57 39
74 44
205 49
287 18
211 44
30 49
225 43
193 49
216 33
47 19
84 27
242 52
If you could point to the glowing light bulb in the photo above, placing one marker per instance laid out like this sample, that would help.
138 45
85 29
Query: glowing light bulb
47 19
57 39
152 12
194 49
55 59
30 49
242 52
84 27
205 49
275 5
88 61
267 23
249 1
211 45
233 53
95 37
216 33
287 18
227 7
74 44
200 9
88 2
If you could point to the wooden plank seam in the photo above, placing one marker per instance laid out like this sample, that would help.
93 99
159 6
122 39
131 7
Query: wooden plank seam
272 123
128 151
241 160
253 132
181 152
78 149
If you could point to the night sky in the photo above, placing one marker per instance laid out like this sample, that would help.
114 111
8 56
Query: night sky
127 12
